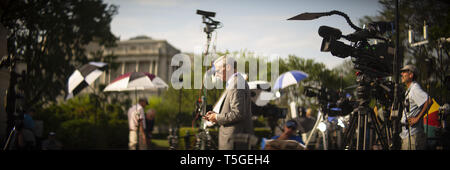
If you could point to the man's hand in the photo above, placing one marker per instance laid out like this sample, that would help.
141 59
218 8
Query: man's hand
413 120
425 108
211 116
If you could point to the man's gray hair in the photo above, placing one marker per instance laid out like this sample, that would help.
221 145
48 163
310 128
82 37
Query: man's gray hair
229 60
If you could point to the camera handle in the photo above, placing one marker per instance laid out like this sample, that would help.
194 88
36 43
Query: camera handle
335 12
311 16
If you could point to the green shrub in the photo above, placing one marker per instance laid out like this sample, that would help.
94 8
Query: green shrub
258 132
81 124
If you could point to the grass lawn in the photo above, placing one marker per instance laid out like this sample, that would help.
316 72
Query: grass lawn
160 144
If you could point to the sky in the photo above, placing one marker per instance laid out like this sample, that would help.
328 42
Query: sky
258 26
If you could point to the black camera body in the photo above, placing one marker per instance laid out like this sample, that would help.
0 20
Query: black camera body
324 95
373 59
269 110
211 24
332 102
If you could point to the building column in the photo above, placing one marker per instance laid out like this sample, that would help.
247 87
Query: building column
150 68
156 68
123 68
137 65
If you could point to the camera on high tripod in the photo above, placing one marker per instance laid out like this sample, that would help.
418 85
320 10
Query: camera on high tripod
211 24
203 138
374 63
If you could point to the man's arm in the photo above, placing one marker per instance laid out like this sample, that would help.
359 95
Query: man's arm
237 108
424 109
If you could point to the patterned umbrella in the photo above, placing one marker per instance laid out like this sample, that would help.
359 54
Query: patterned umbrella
136 81
289 78
83 77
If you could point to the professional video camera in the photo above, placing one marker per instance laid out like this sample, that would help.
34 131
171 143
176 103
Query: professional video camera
211 24
324 95
375 60
374 63
269 110
332 102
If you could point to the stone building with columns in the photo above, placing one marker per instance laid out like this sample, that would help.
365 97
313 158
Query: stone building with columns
144 54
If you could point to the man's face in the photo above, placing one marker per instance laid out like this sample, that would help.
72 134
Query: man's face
308 113
289 130
406 76
221 72
143 104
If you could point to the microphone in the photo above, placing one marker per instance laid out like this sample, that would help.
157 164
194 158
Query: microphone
329 32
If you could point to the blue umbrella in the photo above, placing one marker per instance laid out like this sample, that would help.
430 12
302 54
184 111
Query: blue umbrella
289 78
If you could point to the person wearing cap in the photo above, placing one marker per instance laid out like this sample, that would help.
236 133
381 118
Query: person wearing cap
136 119
289 132
416 103
281 142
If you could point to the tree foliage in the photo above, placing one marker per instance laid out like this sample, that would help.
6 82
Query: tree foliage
84 122
432 58
50 38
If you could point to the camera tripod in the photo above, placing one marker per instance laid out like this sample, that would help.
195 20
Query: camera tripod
203 138
359 120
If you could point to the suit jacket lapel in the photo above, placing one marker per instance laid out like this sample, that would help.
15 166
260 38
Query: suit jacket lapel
218 106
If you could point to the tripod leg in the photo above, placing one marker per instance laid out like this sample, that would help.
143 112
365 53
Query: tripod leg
380 134
361 132
350 131
12 136
364 146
